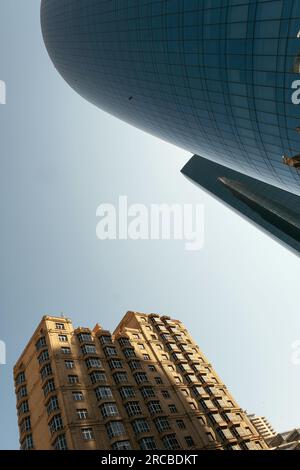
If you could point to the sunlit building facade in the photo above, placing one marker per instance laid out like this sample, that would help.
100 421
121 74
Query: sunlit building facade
146 386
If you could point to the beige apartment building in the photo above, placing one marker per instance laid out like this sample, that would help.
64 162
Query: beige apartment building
146 386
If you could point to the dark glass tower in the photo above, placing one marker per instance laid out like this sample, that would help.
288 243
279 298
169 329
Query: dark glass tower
219 78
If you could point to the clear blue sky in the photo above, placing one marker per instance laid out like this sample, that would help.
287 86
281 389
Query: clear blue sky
60 158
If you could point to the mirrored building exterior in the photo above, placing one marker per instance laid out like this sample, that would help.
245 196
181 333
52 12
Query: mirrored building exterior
218 78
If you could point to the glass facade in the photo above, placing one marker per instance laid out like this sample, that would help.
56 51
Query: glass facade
215 77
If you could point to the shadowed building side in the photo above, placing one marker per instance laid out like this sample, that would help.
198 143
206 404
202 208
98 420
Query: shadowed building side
275 211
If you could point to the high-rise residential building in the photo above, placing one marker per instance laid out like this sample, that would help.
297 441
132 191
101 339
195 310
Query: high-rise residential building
289 440
218 79
262 426
146 386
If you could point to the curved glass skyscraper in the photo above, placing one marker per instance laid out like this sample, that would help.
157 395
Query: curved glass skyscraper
219 78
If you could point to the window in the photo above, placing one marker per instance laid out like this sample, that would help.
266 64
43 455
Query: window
120 377
122 445
27 443
105 339
199 391
152 368
46 371
173 408
178 357
85 338
159 346
87 434
93 363
171 368
162 424
25 425
223 403
115 364
133 408
78 396
63 338
110 351
185 392
191 378
49 387
148 392
88 349
234 417
210 437
224 434
235 447
146 357
165 393
59 326
216 392
60 443
166 337
170 442
134 365
140 425
135 336
23 408
43 357
41 343
147 443
82 413
252 446
240 431
180 424
140 377
56 424
22 393
154 407
52 405
153 336
127 392
109 409
190 356
189 441
69 364
66 350
103 392
20 378
172 346
124 342
158 380
115 428
164 356
73 379
216 418
129 352
141 346
98 377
